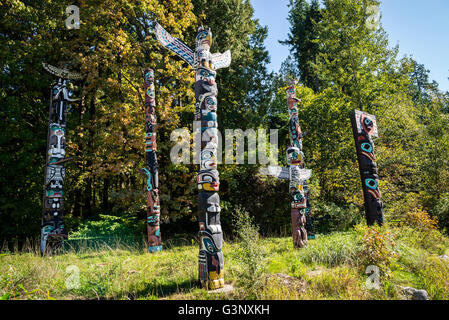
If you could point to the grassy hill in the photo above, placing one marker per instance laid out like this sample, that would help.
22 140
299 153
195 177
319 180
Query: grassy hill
332 266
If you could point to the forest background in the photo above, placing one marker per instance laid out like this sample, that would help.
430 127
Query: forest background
342 61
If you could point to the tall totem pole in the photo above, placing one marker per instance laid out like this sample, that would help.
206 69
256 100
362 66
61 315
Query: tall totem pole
53 231
296 173
210 258
364 128
300 201
151 171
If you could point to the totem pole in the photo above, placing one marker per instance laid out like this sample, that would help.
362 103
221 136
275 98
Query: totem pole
53 231
364 128
151 171
210 258
296 173
300 211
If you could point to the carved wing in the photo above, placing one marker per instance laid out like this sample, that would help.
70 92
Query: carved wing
276 171
61 73
221 60
174 44
298 175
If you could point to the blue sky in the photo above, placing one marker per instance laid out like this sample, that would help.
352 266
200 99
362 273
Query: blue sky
420 28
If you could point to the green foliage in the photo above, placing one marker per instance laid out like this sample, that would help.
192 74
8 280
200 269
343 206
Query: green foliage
331 250
106 226
330 267
329 217
441 211
377 247
434 278
250 254
342 62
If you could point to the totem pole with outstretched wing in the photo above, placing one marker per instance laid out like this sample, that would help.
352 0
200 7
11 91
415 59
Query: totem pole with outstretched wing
205 64
296 173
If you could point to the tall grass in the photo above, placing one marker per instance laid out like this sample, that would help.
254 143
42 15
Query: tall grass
329 267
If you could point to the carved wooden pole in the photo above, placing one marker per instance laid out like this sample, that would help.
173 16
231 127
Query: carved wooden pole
297 175
210 259
53 231
300 203
364 128
151 170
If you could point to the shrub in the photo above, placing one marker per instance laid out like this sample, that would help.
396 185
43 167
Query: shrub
420 219
106 226
376 247
250 254
441 211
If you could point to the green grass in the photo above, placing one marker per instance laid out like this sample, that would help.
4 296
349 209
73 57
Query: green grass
329 267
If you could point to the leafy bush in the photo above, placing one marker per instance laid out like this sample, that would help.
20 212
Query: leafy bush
421 230
420 219
377 244
441 211
250 253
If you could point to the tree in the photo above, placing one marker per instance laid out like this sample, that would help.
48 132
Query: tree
105 130
302 39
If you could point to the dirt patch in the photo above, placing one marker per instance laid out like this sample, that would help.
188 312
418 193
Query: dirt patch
286 281
315 273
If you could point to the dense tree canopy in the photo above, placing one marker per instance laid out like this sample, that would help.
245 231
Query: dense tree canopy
342 61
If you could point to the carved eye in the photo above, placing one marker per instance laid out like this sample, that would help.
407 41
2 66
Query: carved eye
207 178
210 101
371 183
206 155
367 147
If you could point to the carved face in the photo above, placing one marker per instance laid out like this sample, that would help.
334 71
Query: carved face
54 203
204 38
208 180
149 75
298 197
367 124
57 141
208 159
209 105
294 156
213 204
206 75
55 177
